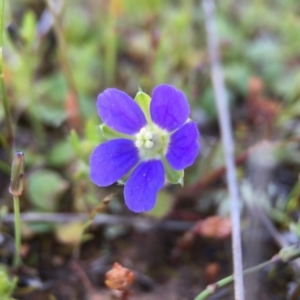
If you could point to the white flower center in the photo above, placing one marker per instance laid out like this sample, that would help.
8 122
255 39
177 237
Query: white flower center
152 142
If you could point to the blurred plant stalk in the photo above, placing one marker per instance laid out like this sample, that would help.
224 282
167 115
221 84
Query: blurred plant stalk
7 114
111 42
228 144
16 189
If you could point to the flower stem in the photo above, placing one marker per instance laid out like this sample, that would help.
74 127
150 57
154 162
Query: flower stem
86 225
17 221
7 114
16 189
225 281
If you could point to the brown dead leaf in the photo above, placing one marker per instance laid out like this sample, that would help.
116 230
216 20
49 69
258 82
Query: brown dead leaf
213 227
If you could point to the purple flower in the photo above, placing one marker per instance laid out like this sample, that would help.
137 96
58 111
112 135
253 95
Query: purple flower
151 138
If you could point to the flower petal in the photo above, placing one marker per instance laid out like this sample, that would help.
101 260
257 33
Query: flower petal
120 112
143 184
184 146
169 107
112 160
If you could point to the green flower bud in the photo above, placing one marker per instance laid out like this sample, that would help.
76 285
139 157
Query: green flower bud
143 100
17 175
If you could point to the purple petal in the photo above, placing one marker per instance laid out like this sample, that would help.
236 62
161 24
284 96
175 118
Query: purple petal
143 184
169 107
184 146
112 160
120 112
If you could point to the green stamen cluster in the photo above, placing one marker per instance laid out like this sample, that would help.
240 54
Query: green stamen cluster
152 142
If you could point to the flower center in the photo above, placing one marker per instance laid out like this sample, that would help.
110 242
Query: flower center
152 142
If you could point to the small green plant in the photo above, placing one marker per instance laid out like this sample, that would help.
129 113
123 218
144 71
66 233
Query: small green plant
7 284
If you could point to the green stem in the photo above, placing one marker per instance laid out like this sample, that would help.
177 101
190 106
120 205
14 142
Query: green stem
85 226
225 281
17 257
7 114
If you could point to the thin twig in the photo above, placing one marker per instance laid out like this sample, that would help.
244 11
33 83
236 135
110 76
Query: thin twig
227 280
139 223
278 238
84 278
228 143
280 257
264 219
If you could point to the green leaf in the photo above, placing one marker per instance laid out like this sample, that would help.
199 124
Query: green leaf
45 188
69 233
173 176
61 153
143 100
50 113
52 90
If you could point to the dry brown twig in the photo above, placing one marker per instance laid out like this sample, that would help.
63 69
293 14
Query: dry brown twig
139 223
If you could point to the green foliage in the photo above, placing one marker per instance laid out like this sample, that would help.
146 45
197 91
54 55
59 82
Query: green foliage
7 284
44 188
130 44
61 154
